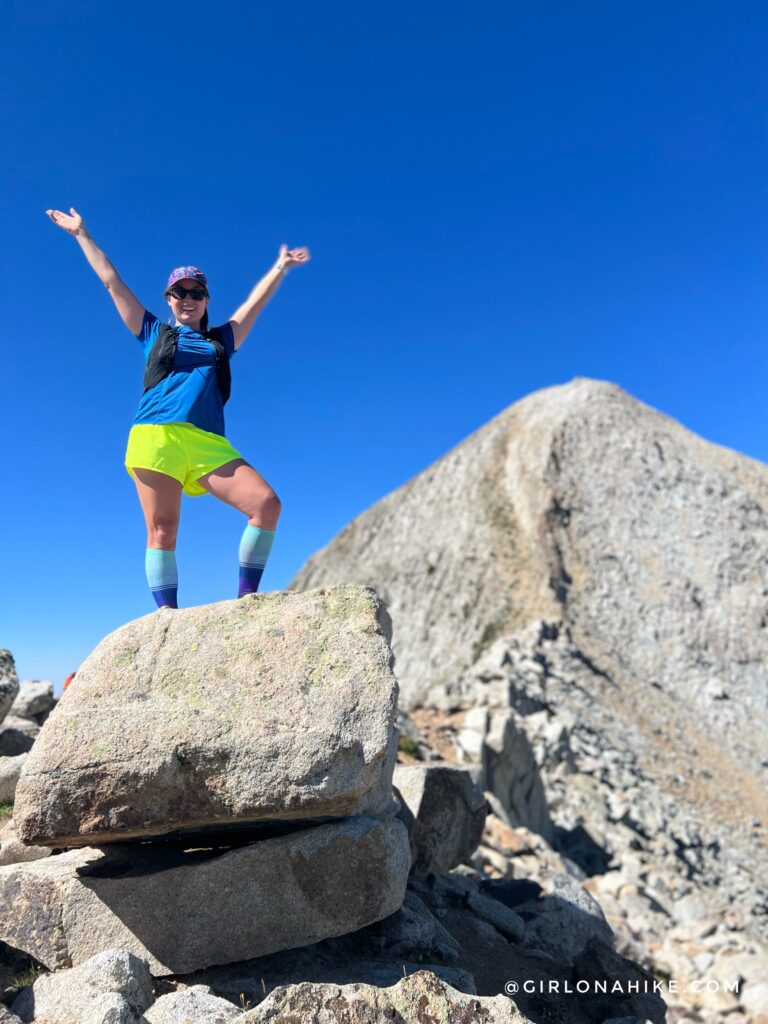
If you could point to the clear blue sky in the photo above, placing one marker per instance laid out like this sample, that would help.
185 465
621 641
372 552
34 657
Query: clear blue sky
497 197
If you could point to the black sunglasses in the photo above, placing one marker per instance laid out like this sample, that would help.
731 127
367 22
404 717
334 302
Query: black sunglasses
178 292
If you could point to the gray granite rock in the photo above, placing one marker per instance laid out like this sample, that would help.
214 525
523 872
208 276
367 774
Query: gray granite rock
17 735
562 922
638 988
448 809
185 910
625 1020
276 706
322 963
9 682
505 920
10 770
413 931
408 1002
194 1005
113 987
511 773
13 851
35 698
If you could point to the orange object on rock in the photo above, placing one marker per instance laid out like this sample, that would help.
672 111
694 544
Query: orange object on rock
69 679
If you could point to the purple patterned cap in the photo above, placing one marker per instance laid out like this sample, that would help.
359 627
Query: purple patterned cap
181 272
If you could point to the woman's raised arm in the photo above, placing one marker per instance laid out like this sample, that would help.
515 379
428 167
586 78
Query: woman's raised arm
128 306
243 319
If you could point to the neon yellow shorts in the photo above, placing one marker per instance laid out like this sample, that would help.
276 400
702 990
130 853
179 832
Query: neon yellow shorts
180 450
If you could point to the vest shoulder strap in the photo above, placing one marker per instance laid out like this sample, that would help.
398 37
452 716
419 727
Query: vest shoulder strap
160 360
223 372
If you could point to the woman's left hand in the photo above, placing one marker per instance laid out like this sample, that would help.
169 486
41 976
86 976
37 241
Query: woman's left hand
292 257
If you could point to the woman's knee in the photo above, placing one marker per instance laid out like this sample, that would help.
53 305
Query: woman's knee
270 509
264 510
161 533
274 505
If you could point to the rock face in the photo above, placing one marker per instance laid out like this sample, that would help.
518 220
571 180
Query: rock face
578 503
614 569
611 805
276 706
184 910
9 682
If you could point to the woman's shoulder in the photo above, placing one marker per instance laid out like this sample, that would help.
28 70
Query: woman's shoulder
149 327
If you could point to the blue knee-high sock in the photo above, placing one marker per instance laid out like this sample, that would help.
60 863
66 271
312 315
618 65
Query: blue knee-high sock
162 577
255 545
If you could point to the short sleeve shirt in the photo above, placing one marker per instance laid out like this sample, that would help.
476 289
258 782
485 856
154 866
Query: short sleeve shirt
190 393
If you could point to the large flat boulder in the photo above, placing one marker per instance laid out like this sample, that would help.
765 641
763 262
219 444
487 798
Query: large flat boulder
275 706
181 911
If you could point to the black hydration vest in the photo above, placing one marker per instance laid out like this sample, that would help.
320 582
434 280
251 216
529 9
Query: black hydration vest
160 361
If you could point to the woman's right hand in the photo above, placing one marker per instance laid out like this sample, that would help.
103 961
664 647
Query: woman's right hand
71 222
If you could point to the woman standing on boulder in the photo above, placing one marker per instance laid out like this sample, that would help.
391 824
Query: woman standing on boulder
177 439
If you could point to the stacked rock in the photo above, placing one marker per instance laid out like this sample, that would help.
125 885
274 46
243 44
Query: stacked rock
241 755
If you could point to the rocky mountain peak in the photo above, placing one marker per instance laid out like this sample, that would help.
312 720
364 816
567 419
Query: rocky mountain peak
585 578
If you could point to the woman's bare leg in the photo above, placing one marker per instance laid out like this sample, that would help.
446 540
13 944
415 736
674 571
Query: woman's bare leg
160 497
239 485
